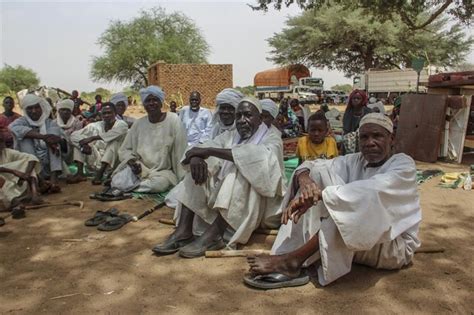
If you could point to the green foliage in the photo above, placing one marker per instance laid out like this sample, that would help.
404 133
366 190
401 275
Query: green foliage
130 47
408 11
246 90
353 41
17 78
90 96
346 88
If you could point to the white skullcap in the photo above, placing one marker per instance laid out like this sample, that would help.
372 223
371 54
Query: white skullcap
270 106
253 101
119 97
378 119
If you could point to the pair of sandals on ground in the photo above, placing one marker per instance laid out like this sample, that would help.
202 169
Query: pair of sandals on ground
108 220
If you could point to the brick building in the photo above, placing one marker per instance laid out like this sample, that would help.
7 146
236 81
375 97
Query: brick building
179 80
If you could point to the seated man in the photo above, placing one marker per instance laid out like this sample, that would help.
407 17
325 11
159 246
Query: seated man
37 134
269 111
17 176
152 149
98 144
287 122
235 182
120 101
68 123
362 208
7 118
196 120
224 116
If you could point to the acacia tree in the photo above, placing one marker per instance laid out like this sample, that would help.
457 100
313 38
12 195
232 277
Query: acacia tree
350 40
407 10
131 47
17 78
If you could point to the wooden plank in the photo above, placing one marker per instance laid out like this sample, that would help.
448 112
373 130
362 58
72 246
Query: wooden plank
421 123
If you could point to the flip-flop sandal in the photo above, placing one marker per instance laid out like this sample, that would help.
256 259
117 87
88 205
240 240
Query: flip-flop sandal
275 281
101 217
115 223
111 198
18 213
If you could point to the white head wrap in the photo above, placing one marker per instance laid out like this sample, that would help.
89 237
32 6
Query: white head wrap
378 105
253 101
372 100
120 97
152 90
270 106
30 100
228 96
67 104
378 119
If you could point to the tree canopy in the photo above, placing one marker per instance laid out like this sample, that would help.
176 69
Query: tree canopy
17 78
407 10
346 88
350 40
131 47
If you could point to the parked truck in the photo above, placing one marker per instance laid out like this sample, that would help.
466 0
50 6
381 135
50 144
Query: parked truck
292 81
388 84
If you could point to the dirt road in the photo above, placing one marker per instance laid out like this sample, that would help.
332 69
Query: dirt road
50 263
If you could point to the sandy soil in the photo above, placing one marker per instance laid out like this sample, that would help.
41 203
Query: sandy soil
51 263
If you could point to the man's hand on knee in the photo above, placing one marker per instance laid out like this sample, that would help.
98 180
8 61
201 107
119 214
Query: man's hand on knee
198 170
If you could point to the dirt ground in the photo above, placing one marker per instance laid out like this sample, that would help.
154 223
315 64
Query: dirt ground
52 264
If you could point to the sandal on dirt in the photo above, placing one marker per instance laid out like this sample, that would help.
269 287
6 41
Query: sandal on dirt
101 217
18 213
115 223
275 281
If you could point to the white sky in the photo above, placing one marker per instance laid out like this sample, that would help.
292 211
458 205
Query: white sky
58 38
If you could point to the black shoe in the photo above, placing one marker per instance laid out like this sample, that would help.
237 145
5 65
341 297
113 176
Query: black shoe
192 251
171 246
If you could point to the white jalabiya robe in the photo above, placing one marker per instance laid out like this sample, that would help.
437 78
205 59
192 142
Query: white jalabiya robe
368 215
248 195
105 150
15 160
158 147
198 124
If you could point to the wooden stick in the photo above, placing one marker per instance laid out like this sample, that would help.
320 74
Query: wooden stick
235 253
166 221
266 231
429 250
64 296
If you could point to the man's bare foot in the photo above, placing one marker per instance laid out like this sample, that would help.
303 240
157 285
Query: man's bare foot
75 179
265 264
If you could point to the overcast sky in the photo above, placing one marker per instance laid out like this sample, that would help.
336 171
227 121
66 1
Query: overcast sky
57 39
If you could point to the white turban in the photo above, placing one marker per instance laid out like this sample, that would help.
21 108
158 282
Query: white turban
152 90
378 105
65 104
119 97
229 96
378 119
270 106
253 101
30 100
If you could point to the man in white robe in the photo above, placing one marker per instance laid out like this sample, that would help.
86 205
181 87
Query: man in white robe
197 120
362 207
120 100
152 149
97 145
236 183
224 116
37 134
270 111
18 176
68 123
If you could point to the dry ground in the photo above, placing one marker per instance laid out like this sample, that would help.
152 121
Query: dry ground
43 271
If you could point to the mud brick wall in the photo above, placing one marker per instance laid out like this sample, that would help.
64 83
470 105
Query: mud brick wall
179 80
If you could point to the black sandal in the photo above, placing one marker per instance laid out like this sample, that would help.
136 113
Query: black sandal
101 217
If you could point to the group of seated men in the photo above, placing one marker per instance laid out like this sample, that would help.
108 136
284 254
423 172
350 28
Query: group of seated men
225 177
